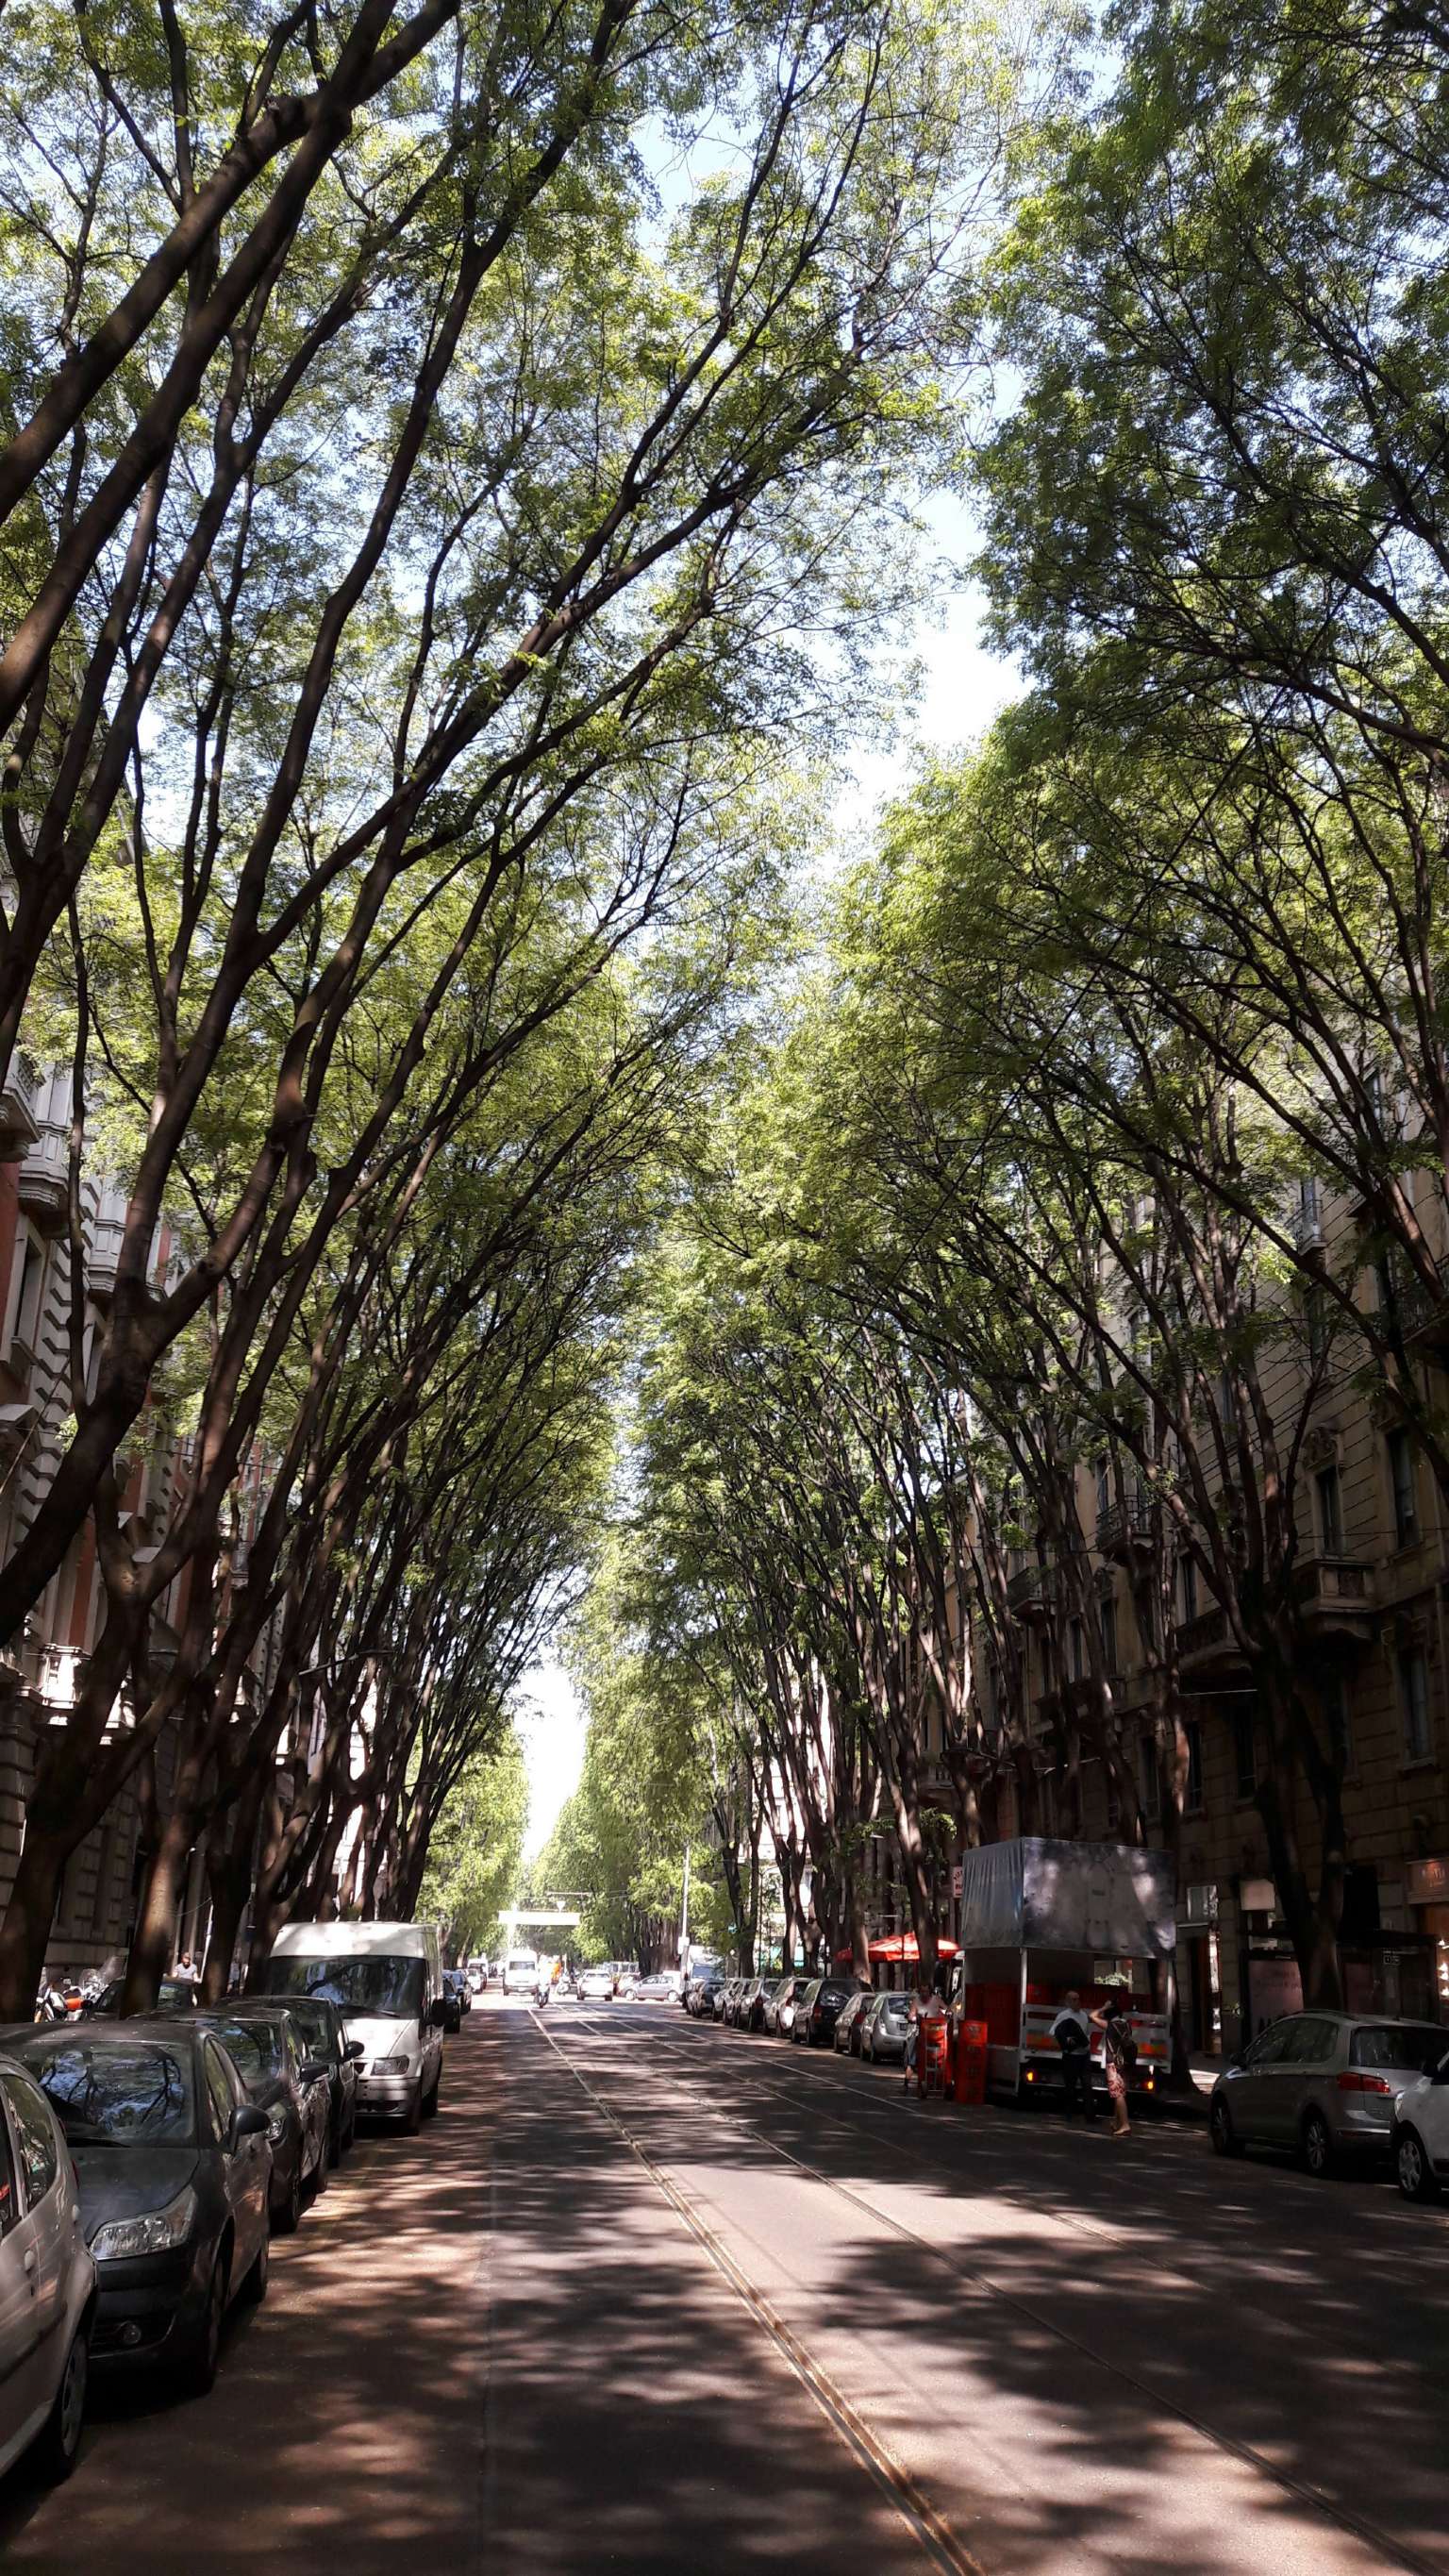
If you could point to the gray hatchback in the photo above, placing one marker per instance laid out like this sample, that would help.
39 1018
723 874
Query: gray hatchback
1322 2084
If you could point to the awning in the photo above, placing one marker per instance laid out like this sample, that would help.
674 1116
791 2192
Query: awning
898 1948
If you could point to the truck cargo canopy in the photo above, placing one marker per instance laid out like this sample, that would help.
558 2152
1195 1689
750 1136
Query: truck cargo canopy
1039 1895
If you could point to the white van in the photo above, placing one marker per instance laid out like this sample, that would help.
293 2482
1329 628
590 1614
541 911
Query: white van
520 1972
386 1980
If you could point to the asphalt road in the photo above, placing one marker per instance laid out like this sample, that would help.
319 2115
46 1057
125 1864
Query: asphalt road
654 2297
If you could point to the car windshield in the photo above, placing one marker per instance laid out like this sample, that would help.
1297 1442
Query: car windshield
136 2094
1412 2044
256 2046
383 1986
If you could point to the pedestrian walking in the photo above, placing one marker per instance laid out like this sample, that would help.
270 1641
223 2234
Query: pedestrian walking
1119 2051
1073 2035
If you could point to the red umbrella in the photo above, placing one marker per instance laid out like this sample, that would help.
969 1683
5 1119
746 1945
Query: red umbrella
900 1947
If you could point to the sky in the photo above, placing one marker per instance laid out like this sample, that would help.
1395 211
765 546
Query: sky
963 686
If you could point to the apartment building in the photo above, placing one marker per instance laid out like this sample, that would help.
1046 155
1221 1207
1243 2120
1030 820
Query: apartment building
40 1672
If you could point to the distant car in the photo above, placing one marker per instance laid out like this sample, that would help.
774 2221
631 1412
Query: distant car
455 1983
750 2009
268 2050
173 2167
520 1972
848 2022
707 1983
729 1996
596 1985
1324 2085
655 1990
719 1997
47 2282
325 2034
884 2024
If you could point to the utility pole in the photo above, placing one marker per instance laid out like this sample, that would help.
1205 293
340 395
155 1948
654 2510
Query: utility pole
684 1915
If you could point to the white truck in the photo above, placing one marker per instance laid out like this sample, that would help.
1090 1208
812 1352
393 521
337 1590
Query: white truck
1041 1918
386 1980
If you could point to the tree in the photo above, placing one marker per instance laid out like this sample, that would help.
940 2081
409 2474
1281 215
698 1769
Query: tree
476 1849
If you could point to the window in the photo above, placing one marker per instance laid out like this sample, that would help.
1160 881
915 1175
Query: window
1189 1587
1194 1790
218 2085
1109 1634
1077 1648
1330 1511
1271 2045
1313 2042
35 2135
1150 1776
1245 1753
9 2195
1104 1487
1414 1692
1401 1482
1340 1722
29 1291
1310 1215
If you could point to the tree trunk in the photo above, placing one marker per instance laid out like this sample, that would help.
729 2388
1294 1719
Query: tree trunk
151 1942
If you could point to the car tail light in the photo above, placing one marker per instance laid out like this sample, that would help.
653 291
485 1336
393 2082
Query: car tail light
1354 2081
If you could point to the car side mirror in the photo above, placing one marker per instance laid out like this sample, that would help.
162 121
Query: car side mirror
354 2050
313 2070
246 2122
438 2012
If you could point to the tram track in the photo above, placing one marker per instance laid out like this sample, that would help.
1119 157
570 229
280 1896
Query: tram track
1025 2312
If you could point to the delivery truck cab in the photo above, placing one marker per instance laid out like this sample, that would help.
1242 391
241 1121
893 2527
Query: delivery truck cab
1040 1918
386 1980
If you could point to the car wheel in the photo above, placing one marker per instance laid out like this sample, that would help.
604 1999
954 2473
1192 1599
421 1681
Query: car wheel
1417 2180
198 2371
288 2218
430 2107
58 2441
1317 2146
1226 2141
413 2115
254 2288
319 2171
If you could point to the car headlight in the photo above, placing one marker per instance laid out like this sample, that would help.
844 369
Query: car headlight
391 2065
156 2233
277 2127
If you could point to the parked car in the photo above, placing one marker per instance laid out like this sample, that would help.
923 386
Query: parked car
172 1990
1324 2084
282 2079
729 2000
47 2281
1420 2134
173 2165
455 1984
596 1985
884 2025
719 1996
324 2034
386 1980
779 2013
849 2020
705 1985
818 2009
657 1989
750 2011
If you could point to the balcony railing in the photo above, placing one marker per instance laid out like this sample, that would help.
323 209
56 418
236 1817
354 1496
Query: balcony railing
1124 1529
1209 1634
1335 1591
1031 1591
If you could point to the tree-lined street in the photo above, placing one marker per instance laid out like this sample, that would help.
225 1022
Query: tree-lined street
654 2296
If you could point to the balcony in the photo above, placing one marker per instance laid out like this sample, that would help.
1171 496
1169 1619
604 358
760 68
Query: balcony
42 1181
1422 1315
103 1254
17 1110
1207 1643
1031 1592
1127 1530
1335 1595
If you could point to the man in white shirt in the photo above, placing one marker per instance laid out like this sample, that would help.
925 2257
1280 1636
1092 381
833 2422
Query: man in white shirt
1073 2035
